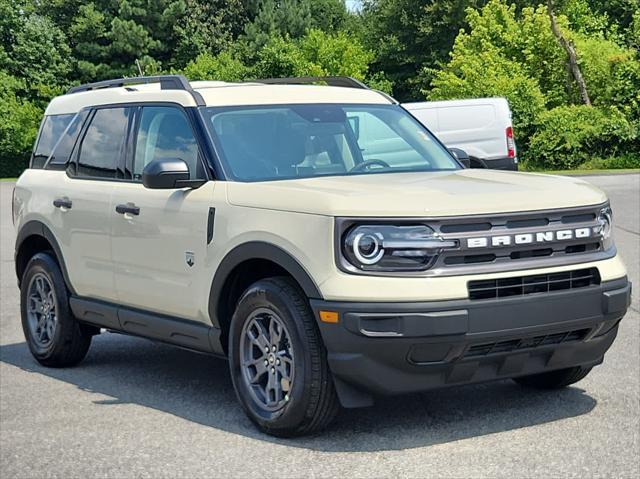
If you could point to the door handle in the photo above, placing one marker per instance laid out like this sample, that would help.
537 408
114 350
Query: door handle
128 208
63 203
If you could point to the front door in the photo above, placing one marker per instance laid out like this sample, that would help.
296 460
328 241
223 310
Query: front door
159 237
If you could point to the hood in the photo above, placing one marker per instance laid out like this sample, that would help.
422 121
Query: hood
446 193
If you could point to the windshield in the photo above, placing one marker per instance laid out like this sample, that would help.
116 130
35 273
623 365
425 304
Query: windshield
258 143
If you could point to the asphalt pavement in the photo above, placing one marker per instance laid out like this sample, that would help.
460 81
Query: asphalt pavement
138 408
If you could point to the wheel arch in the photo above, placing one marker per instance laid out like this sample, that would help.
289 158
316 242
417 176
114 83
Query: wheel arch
262 260
35 237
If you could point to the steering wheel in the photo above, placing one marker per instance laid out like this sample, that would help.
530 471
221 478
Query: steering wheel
367 163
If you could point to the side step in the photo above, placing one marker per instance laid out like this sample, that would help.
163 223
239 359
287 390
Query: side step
179 332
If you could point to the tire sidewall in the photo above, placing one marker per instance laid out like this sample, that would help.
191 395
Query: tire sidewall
265 294
46 265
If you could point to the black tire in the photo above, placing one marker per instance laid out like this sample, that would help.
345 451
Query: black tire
70 340
312 401
554 379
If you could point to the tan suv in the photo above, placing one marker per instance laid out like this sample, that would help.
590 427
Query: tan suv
316 235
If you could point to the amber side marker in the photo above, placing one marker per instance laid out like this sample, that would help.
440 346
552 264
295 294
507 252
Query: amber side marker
329 316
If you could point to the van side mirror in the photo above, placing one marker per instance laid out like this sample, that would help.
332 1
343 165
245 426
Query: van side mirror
168 173
461 156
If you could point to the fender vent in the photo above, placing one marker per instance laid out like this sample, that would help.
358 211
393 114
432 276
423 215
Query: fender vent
540 283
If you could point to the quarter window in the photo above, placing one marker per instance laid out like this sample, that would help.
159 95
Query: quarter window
103 144
62 151
50 132
165 132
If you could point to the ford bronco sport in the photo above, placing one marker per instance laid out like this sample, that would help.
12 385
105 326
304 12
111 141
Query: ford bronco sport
316 235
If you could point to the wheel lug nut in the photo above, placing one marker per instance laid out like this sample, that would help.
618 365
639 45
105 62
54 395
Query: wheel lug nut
273 370
278 362
286 397
266 350
266 362
273 348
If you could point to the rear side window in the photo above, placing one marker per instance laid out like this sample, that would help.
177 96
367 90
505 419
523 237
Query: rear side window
103 143
53 126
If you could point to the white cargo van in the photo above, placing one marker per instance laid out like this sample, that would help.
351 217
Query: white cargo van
481 127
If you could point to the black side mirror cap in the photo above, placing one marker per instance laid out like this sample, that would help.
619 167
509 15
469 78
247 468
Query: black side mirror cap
461 156
166 173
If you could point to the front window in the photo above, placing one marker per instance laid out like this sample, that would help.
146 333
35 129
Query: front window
258 143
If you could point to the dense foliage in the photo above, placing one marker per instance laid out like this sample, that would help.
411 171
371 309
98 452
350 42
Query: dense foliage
415 49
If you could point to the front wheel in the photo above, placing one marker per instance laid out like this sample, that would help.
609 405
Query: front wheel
278 361
554 379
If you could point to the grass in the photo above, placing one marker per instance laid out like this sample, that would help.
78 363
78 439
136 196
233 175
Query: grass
8 179
587 172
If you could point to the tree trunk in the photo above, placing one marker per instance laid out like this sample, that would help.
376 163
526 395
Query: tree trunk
572 57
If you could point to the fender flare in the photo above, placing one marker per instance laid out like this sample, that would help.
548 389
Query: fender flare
257 250
38 228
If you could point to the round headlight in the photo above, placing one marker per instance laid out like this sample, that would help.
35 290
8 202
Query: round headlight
392 248
367 247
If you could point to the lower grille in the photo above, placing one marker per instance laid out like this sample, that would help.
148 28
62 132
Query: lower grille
524 285
525 343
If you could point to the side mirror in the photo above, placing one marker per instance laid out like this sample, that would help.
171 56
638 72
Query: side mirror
166 173
461 156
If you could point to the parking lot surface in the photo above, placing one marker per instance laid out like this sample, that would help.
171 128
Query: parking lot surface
138 408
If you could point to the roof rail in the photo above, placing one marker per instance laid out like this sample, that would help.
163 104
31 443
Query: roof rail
330 81
167 82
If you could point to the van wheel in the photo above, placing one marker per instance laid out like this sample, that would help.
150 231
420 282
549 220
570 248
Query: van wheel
554 379
54 336
278 361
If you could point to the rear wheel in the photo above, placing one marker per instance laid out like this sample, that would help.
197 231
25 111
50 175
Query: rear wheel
278 362
554 379
54 336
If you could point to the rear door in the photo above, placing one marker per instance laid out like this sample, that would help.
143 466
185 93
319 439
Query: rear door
159 252
84 200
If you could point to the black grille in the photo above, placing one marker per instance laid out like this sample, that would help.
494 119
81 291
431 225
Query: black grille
540 283
525 343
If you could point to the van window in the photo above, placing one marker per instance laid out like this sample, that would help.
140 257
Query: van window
469 117
165 132
103 144
52 128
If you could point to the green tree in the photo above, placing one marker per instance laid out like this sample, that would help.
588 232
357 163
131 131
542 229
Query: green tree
292 18
224 67
315 54
409 35
208 26
19 125
37 52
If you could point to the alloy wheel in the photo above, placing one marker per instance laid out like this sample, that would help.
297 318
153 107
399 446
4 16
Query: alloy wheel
267 360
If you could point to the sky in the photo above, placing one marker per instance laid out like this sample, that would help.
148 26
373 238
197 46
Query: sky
354 5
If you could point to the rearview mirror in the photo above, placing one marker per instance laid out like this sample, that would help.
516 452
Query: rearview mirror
166 173
461 156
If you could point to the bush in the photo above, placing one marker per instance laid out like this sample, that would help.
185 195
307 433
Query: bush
614 162
13 166
569 136
489 74
18 127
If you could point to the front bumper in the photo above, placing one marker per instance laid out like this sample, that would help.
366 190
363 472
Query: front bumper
393 348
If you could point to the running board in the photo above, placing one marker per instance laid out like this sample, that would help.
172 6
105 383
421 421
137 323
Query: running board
178 332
